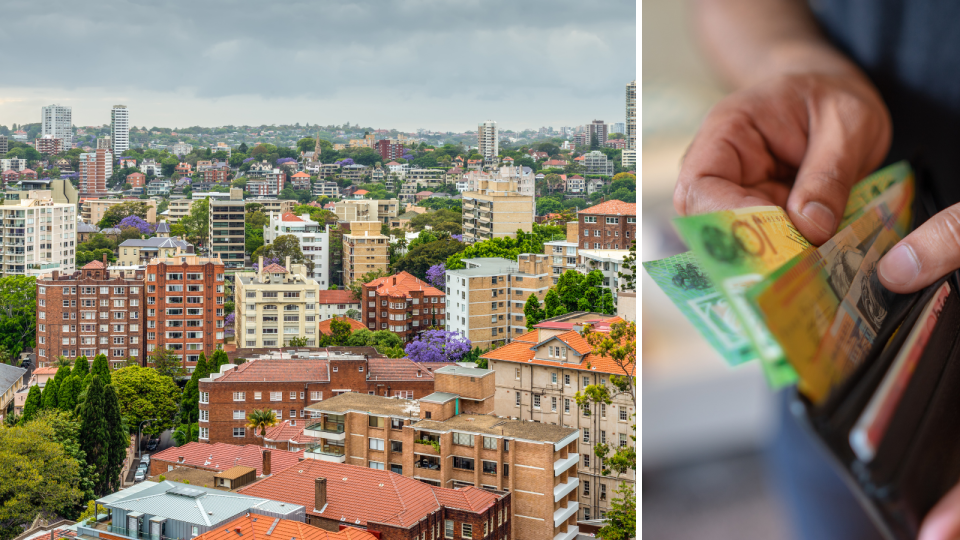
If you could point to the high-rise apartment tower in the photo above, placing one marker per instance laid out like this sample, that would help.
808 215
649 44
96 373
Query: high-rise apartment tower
120 129
57 121
487 141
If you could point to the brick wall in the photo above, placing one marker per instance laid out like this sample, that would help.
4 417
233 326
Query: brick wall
610 236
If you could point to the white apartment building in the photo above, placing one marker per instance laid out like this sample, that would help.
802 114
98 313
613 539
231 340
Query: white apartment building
178 209
150 166
488 142
16 164
523 177
275 305
120 129
608 261
314 241
181 148
38 236
630 153
596 162
57 121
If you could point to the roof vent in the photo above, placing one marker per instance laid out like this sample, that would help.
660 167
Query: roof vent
344 478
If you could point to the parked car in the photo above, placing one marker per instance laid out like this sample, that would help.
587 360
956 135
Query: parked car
140 476
145 459
152 444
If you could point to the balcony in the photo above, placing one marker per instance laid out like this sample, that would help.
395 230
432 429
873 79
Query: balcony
561 465
562 490
325 430
563 514
331 453
569 535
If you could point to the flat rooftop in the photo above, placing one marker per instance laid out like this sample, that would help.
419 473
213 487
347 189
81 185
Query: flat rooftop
368 404
492 425
464 371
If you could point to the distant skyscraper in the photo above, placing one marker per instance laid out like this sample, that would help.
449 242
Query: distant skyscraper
105 143
597 129
618 127
488 144
95 168
120 129
632 116
57 122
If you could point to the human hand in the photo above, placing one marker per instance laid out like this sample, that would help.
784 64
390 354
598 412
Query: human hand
798 141
943 520
925 255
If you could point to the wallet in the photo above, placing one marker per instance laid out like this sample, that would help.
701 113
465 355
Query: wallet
917 460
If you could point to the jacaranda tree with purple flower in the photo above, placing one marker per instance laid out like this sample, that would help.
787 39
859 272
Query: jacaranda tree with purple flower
436 275
248 159
137 223
438 346
344 162
457 237
283 160
267 261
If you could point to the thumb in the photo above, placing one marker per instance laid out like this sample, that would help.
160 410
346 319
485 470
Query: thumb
925 255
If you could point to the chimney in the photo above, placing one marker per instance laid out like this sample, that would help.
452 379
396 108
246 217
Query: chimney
394 280
266 462
179 459
260 270
288 263
319 493
104 260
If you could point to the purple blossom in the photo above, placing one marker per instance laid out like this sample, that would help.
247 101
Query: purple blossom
285 160
248 159
228 321
137 223
457 237
407 157
345 161
436 275
438 346
266 262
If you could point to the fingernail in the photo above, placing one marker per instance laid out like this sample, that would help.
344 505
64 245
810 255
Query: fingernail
900 266
820 216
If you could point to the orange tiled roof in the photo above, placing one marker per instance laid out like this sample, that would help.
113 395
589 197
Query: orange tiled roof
324 326
93 265
401 284
360 192
260 527
275 269
288 216
285 432
397 369
336 297
612 208
521 350
301 174
221 456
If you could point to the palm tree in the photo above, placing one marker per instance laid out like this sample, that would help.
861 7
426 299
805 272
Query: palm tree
261 419
62 361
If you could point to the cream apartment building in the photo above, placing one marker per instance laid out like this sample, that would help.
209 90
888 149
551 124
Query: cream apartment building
537 378
93 209
367 210
275 305
563 253
496 210
485 300
364 250
178 209
38 235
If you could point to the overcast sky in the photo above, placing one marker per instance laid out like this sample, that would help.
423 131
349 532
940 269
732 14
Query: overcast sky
402 64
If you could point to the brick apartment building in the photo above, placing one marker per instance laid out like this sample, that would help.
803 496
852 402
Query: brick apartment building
137 179
391 506
49 145
217 176
95 168
389 149
288 385
452 440
402 304
89 312
221 457
184 301
608 225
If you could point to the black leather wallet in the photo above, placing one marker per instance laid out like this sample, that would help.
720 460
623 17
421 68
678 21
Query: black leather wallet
917 461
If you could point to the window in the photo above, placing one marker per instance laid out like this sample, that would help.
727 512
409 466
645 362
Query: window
603 437
490 443
518 399
506 445
239 415
462 463
293 396
586 488
239 396
375 421
553 378
603 492
204 397
586 382
447 523
517 373
623 414
276 396
553 404
376 465
466 530
566 380
586 460
623 439
396 446
316 396
536 401
239 432
463 439
489 467
397 423
566 406
586 512
603 410
376 444
204 433
256 396
586 435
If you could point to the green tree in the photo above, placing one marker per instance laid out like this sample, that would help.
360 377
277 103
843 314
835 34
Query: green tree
196 224
18 312
168 165
298 342
356 286
219 358
628 270
166 362
190 403
553 305
63 370
81 367
339 331
32 406
115 214
68 393
186 433
102 368
286 245
119 438
36 475
253 237
421 257
533 312
50 391
606 303
96 433
145 394
621 519
261 419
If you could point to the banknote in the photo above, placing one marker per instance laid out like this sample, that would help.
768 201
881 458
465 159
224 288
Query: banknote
684 282
872 187
737 249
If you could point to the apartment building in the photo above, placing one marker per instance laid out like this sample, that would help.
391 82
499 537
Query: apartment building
92 210
280 206
336 303
449 440
313 238
537 378
216 176
227 232
136 252
496 210
389 149
426 178
355 172
49 145
631 133
178 209
488 140
275 305
326 189
289 385
597 129
120 129
563 253
385 504
95 168
365 250
402 304
518 179
136 179
486 299
4 144
38 235
88 312
367 210
608 225
13 164
184 301
608 261
57 122
596 162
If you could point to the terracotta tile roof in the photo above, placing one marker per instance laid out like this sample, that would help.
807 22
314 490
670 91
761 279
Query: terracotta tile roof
324 326
336 297
358 495
360 192
301 174
45 371
260 527
93 265
401 284
521 350
275 269
612 208
575 341
287 216
275 369
284 432
397 369
221 456
392 163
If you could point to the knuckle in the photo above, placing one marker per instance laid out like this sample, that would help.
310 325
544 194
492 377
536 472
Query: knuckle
946 238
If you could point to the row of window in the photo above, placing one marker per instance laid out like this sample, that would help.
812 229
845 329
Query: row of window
92 290
177 276
609 220
603 437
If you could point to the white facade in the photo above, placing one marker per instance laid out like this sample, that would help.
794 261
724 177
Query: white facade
182 148
631 134
57 121
39 236
149 166
488 143
596 162
16 164
608 261
120 129
629 159
523 176
314 242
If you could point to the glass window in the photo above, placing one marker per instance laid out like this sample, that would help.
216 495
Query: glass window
489 467
463 439
376 421
376 444
490 443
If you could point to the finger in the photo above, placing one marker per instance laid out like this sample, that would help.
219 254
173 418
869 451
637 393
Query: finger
843 147
925 255
943 521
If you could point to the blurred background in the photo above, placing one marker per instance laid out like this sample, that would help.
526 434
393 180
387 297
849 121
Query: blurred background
705 426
